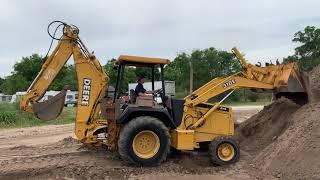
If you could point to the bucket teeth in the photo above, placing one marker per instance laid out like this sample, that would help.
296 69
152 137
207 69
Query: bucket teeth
52 108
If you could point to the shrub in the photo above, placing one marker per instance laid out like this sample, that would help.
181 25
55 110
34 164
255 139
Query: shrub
8 117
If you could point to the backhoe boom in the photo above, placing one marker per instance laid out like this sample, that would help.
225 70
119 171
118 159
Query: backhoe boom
92 85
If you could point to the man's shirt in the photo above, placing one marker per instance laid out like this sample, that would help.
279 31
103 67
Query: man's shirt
139 89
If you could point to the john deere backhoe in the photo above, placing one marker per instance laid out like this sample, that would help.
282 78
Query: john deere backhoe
142 131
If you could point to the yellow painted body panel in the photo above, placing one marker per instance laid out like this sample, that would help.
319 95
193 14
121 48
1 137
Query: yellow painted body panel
182 139
218 123
98 84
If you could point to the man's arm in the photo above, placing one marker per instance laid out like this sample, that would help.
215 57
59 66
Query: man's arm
141 91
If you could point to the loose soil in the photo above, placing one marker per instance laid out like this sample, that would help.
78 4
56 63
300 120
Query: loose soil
283 140
314 86
53 152
263 128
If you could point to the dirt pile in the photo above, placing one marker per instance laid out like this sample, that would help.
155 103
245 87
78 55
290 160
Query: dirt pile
263 128
283 140
295 153
314 81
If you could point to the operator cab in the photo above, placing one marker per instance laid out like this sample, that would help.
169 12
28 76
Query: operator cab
153 64
146 105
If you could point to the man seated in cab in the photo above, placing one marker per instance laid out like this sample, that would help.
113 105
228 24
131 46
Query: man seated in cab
140 90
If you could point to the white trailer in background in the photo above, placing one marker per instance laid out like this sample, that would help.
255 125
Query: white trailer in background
5 98
71 97
16 97
169 86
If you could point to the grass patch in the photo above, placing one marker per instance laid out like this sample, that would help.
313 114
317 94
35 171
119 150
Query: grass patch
258 103
11 116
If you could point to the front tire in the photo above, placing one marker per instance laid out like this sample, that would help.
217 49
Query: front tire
144 141
224 150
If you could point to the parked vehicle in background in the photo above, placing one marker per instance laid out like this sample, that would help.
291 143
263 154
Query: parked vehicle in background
5 98
70 101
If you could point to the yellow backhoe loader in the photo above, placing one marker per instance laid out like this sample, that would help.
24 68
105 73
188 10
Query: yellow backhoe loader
142 131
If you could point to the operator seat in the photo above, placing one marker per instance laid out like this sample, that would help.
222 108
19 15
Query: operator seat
133 96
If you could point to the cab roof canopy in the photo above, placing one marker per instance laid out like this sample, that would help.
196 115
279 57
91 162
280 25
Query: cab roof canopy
141 61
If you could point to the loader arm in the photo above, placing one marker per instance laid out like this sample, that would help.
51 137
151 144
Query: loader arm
92 86
221 85
283 78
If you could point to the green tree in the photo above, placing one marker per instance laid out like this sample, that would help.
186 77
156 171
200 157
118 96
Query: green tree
2 80
308 53
25 71
207 64
67 76
147 72
23 74
14 83
130 74
128 77
111 71
178 71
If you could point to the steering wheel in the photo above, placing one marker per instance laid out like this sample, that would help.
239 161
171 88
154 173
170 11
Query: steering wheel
158 91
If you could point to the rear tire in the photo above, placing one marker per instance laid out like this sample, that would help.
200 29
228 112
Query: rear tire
144 141
224 150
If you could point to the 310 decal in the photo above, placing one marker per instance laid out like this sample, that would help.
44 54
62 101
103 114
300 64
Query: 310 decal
229 83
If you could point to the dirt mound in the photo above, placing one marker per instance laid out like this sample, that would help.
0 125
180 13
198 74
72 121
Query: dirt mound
295 154
285 138
68 141
314 86
263 128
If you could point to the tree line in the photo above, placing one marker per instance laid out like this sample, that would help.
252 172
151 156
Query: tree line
206 64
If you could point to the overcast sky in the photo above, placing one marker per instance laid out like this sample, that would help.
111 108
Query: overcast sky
263 30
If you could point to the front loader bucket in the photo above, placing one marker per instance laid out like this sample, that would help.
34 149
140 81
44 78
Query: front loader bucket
52 108
297 88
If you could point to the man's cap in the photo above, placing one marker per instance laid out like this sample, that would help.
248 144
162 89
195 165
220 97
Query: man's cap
140 77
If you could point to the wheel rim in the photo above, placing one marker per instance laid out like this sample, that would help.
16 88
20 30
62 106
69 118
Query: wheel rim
226 151
146 144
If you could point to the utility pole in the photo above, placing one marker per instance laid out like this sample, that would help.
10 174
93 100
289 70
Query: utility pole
191 77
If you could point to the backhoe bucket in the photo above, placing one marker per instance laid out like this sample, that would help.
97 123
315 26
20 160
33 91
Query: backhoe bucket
52 108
